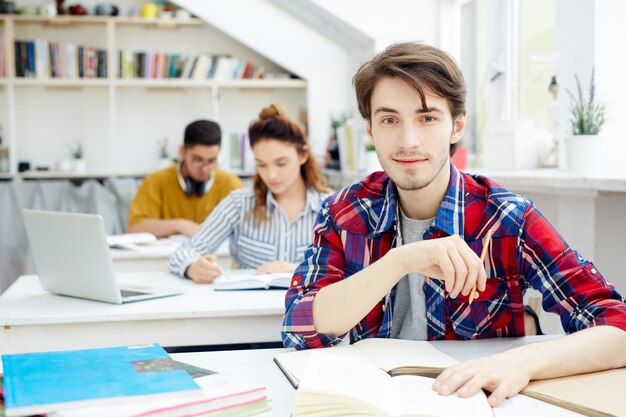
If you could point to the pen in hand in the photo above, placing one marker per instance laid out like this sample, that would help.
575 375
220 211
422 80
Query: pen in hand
486 241
195 253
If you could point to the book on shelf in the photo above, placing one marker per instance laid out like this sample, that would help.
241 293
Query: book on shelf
350 386
249 279
44 382
394 356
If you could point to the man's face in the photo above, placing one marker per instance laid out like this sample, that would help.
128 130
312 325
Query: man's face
412 143
200 160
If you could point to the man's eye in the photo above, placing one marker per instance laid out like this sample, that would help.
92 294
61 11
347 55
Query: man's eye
388 121
429 119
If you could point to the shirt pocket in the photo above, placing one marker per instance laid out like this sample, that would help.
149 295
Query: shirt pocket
253 253
490 311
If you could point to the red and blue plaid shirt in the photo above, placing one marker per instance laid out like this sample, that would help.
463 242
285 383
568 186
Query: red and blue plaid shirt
357 226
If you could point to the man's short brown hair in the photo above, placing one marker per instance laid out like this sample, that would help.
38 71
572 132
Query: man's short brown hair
419 65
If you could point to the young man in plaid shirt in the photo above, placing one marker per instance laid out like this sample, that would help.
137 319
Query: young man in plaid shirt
396 255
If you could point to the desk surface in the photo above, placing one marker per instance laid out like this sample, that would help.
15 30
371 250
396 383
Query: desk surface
33 319
257 366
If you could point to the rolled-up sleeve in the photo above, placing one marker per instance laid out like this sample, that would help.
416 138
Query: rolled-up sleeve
323 264
571 286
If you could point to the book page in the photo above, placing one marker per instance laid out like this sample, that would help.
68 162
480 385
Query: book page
250 279
413 395
389 354
294 363
126 238
330 380
352 387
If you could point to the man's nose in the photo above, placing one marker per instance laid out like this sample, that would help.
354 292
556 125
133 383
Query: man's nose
411 136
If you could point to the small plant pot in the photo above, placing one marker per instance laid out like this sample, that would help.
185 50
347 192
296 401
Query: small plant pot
80 166
371 162
586 156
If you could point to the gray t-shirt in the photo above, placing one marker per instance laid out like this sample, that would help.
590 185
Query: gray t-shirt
409 307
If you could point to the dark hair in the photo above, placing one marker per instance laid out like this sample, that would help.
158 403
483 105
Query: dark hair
274 124
202 132
419 65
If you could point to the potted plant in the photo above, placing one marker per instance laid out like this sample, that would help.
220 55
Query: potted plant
585 149
371 159
164 155
79 162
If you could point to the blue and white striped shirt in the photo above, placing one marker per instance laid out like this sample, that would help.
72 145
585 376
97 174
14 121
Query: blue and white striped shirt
251 245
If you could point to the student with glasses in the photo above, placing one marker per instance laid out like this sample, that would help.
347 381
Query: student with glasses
269 226
176 199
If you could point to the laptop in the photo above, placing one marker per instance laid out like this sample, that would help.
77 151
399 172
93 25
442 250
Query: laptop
72 258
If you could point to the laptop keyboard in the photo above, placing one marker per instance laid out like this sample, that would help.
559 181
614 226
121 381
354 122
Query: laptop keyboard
128 293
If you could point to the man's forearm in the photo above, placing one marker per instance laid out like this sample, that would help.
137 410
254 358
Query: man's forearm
589 350
158 227
339 307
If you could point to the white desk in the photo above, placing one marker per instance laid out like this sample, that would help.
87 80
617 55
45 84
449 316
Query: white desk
257 366
32 319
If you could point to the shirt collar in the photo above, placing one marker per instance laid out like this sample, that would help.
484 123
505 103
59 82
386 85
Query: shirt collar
313 200
449 218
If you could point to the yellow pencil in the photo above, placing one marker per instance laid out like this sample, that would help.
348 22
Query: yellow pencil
486 241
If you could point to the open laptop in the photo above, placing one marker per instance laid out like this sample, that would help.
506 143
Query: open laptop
72 258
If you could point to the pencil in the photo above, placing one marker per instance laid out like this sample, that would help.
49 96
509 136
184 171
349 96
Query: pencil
486 241
195 253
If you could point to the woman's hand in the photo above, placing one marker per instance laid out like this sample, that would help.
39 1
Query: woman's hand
204 270
276 266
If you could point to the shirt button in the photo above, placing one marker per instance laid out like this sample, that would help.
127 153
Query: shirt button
593 270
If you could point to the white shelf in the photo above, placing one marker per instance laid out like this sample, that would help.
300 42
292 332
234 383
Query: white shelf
121 121
554 180
66 20
58 82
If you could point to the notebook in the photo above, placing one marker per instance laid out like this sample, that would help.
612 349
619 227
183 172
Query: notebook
42 382
72 258
249 279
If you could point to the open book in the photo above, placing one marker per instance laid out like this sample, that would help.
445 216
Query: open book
42 382
394 356
343 386
145 243
248 279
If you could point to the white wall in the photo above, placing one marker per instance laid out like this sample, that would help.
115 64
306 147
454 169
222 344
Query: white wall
390 21
277 35
589 34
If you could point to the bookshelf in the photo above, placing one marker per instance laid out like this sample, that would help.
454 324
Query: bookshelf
119 121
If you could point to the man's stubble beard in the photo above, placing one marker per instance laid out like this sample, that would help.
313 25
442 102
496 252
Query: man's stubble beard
409 181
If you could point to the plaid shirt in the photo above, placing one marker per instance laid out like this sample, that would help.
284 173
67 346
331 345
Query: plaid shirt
358 225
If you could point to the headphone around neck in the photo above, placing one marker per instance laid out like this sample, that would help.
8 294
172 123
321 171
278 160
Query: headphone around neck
191 186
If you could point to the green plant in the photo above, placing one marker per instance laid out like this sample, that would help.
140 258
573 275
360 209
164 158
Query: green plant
163 152
76 151
588 114
370 147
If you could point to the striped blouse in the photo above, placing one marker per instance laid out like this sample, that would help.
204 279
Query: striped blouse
251 245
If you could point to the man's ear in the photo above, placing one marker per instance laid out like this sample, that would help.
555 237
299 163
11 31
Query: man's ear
368 130
458 128
181 151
